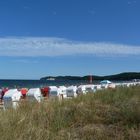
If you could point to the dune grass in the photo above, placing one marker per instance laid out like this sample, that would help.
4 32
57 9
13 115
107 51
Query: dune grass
104 115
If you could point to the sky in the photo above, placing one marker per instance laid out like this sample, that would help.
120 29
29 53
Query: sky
68 37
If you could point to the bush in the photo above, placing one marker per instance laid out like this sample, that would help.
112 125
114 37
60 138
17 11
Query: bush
107 114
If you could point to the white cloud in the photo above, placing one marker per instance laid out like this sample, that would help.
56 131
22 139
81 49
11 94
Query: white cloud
37 46
130 2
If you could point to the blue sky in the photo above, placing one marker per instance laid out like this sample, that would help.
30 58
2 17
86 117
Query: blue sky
68 37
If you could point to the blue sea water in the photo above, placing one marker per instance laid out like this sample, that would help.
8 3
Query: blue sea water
38 83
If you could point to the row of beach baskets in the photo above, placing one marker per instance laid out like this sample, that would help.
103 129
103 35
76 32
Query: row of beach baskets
11 97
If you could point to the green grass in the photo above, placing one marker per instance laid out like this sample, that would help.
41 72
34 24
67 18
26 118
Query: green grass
104 115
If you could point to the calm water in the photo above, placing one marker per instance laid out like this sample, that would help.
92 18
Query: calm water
37 83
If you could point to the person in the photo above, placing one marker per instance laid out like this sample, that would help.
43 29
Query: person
24 92
1 95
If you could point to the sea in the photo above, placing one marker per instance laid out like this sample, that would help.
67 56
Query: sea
39 83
